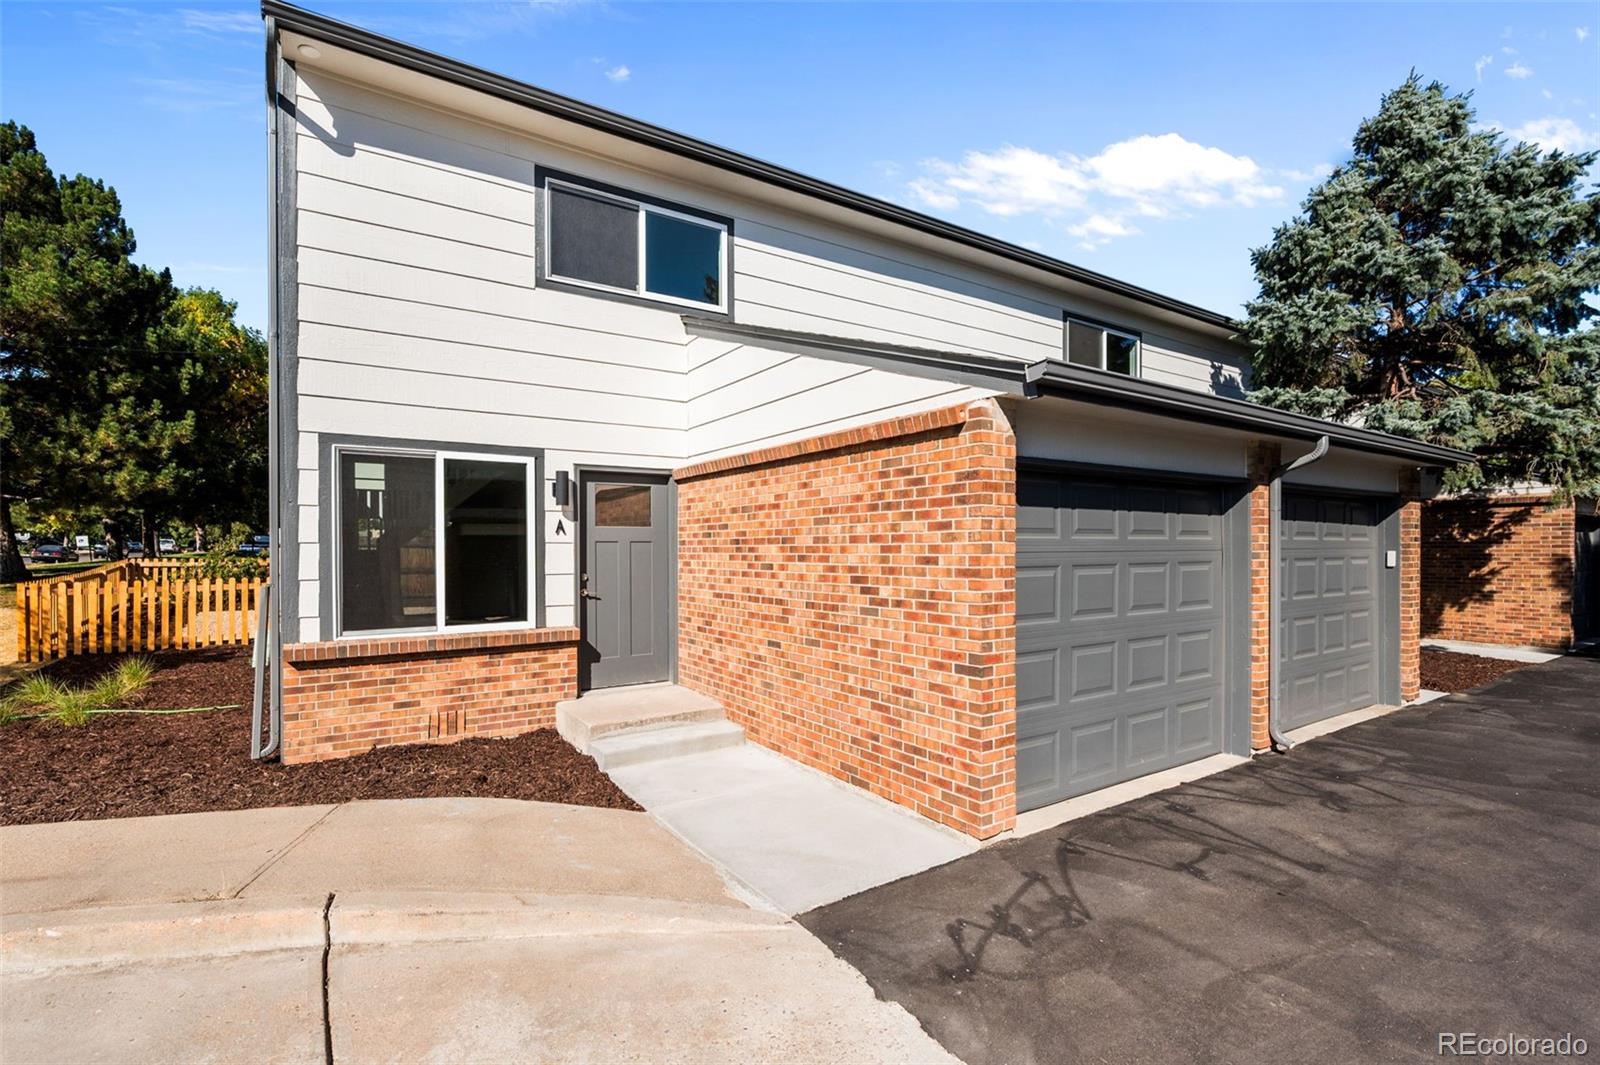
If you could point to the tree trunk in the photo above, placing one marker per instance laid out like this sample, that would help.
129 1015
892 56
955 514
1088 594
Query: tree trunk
12 568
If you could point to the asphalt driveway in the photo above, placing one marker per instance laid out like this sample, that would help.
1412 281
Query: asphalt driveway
1435 870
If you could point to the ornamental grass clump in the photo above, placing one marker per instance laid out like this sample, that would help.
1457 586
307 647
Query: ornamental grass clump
39 696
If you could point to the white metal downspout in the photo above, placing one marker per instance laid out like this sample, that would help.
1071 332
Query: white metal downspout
1274 611
269 633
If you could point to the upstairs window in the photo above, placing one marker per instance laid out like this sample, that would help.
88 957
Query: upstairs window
605 240
1104 348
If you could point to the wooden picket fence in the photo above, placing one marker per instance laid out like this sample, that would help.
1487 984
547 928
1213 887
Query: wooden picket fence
134 605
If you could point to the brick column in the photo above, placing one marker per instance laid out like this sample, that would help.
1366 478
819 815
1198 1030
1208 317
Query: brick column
1410 585
1262 458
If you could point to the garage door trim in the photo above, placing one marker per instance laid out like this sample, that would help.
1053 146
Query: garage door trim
1235 512
1388 505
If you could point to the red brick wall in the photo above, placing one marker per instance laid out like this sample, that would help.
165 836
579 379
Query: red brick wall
346 697
1262 458
1410 586
1498 570
851 600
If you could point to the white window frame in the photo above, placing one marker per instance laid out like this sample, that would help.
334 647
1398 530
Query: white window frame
1105 331
644 208
438 628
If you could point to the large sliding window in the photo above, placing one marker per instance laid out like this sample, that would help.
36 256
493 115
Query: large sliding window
433 540
605 239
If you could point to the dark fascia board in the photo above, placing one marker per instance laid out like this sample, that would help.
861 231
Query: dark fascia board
1111 389
984 371
298 20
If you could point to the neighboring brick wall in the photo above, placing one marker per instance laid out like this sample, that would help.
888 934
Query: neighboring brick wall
851 599
346 697
1262 458
1498 570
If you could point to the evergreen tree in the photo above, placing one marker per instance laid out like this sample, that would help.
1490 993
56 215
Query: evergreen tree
119 394
1435 286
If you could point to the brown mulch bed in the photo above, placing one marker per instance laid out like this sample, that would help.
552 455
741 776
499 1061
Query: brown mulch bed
134 765
1451 671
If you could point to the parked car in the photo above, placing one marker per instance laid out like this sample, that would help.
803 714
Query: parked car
255 546
99 551
166 545
135 547
51 553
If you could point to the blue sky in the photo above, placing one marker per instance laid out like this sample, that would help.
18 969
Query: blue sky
1156 143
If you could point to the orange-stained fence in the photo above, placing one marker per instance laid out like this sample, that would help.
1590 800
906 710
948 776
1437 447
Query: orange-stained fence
134 606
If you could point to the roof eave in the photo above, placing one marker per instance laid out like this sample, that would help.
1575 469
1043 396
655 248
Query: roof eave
1100 386
308 23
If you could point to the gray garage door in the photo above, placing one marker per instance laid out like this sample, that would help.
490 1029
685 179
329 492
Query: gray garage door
1328 594
1121 600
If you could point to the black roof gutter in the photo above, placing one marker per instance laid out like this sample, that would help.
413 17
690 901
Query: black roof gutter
1117 390
298 20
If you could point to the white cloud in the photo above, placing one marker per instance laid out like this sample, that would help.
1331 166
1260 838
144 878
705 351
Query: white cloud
1483 61
1508 50
1006 182
1099 229
1582 33
619 74
1149 176
221 21
1548 95
1556 133
1316 173
1518 71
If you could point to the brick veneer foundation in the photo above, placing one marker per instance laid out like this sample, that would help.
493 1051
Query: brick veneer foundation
1498 570
346 697
851 600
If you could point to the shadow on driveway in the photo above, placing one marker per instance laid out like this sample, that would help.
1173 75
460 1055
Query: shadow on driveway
1435 870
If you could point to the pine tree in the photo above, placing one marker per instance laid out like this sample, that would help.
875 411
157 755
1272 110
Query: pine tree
1435 286
119 394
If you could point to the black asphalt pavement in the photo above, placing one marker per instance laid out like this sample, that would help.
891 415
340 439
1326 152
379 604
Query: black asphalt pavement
1434 870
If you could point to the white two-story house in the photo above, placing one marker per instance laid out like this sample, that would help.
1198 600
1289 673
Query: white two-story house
563 401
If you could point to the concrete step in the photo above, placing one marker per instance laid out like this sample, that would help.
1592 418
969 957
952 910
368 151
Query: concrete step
637 746
606 711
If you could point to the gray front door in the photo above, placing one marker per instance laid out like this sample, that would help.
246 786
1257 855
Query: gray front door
1329 559
1121 610
627 559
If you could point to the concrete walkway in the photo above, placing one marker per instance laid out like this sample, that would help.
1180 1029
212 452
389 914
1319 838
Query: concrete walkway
790 835
454 930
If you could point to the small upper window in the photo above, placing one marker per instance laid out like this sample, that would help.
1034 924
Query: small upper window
1104 349
603 240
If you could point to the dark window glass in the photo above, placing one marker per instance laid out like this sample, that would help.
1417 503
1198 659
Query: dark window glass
682 259
485 542
386 571
622 506
1083 344
593 239
1122 353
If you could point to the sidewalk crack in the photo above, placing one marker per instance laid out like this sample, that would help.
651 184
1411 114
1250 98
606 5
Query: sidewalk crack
276 858
327 950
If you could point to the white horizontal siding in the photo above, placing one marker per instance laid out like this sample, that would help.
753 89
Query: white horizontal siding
795 398
1203 371
420 317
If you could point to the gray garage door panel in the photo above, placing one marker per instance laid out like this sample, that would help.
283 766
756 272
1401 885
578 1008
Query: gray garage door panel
1121 599
1329 596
